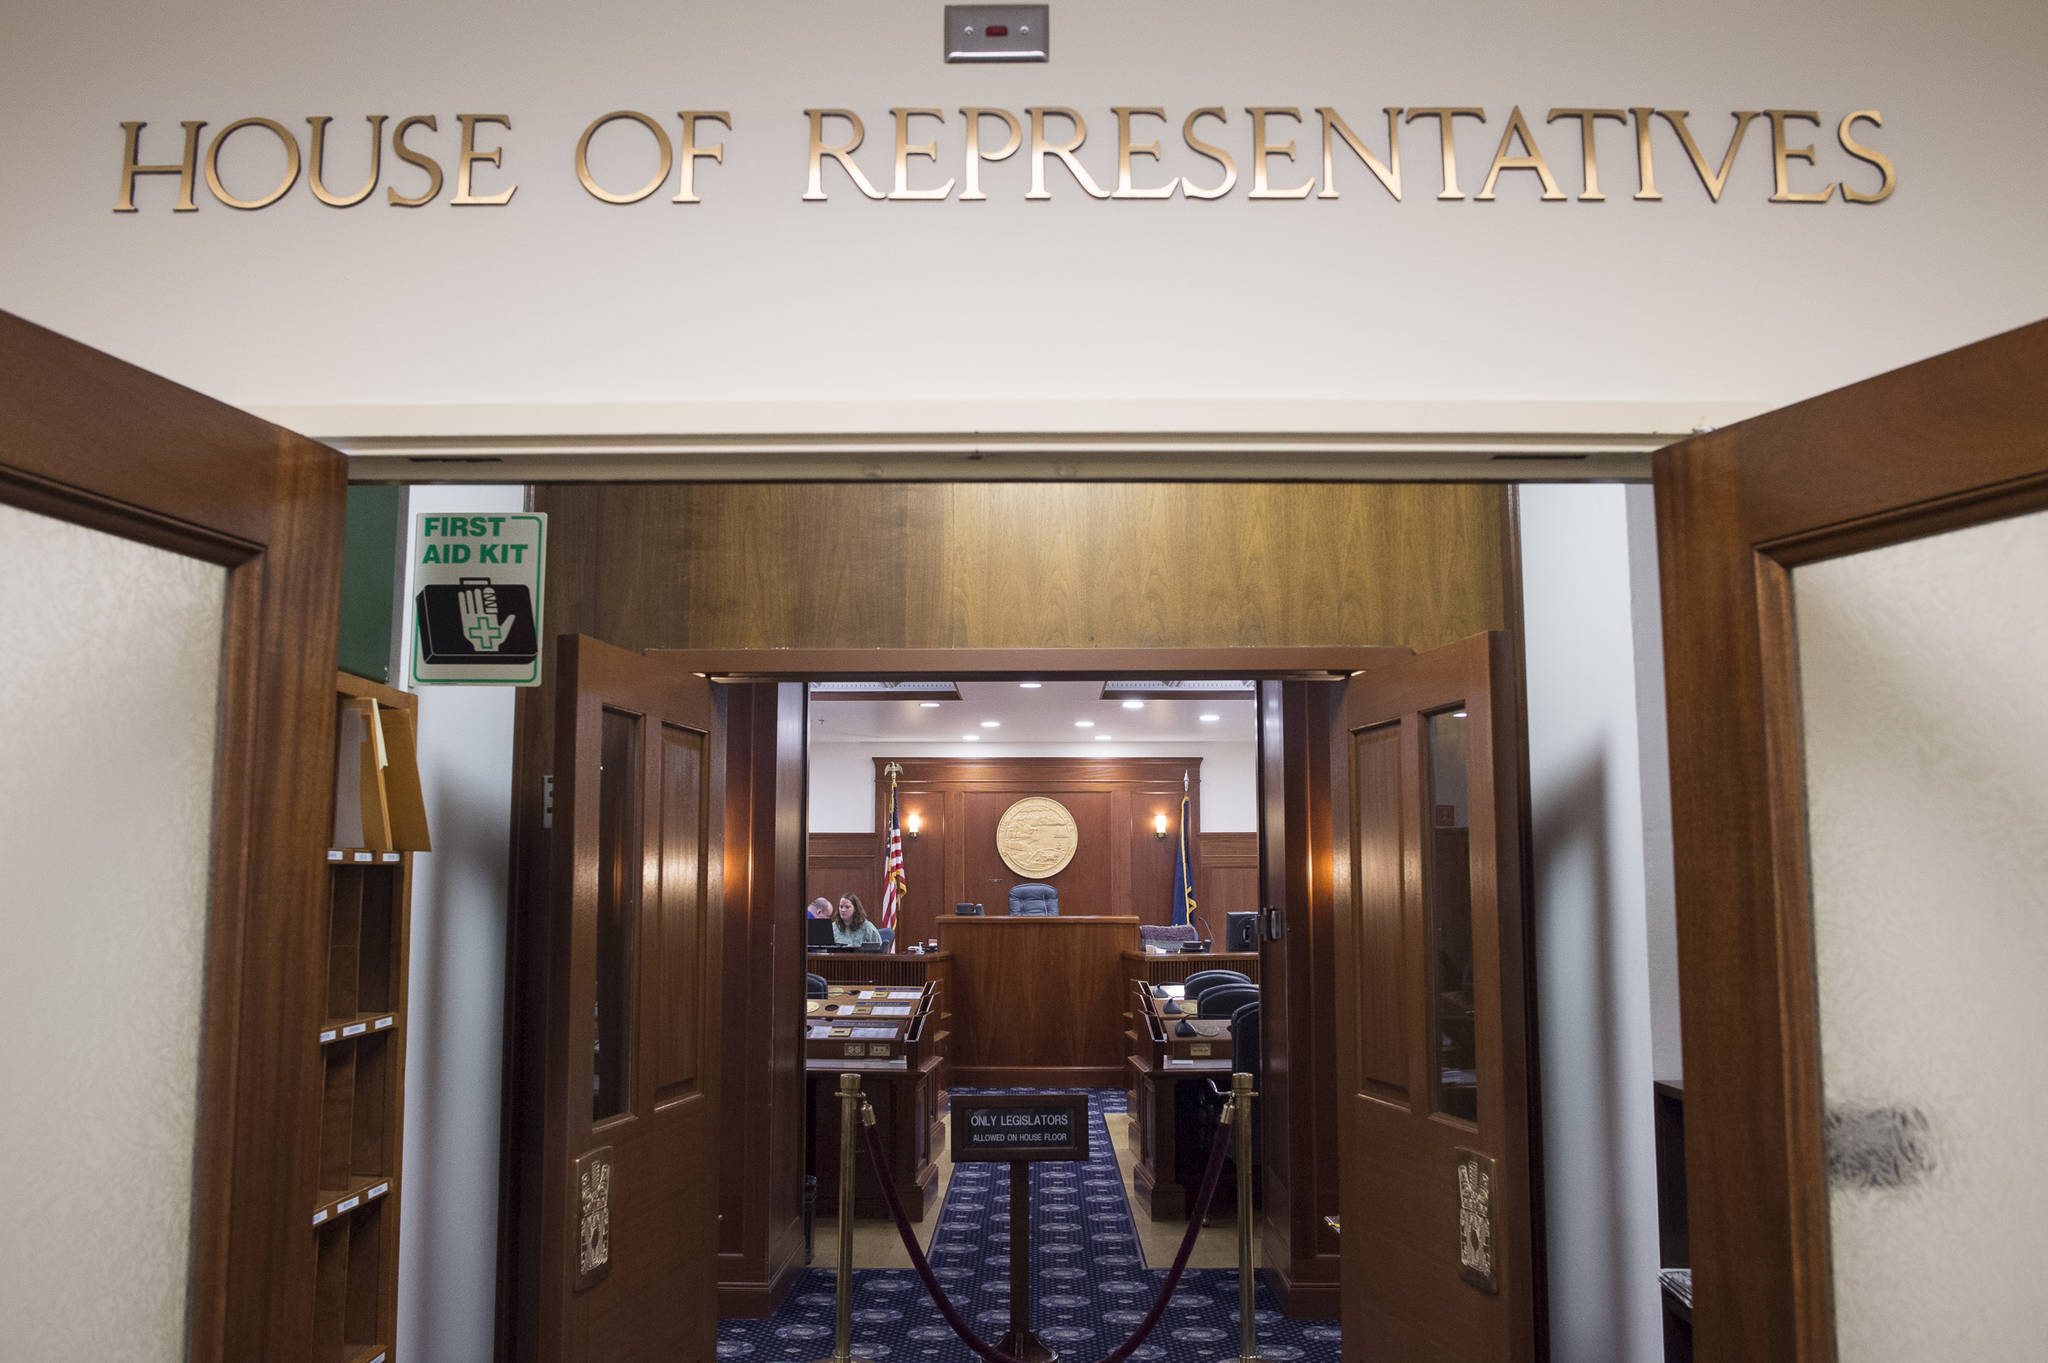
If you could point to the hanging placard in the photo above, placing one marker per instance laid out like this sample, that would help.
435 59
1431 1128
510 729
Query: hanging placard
477 593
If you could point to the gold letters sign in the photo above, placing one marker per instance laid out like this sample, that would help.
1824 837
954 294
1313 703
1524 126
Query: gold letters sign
1540 154
1037 837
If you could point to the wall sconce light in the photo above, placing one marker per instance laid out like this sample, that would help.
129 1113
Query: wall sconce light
912 822
1159 827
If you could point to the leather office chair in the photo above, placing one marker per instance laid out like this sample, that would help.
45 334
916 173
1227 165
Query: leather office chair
888 938
1201 979
1033 899
1225 999
816 986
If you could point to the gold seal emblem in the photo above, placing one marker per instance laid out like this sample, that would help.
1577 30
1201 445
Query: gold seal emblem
1036 837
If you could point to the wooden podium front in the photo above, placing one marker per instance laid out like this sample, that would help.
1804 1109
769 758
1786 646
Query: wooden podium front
1038 1000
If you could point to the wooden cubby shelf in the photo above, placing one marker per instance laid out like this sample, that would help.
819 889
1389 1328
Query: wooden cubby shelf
379 820
359 1194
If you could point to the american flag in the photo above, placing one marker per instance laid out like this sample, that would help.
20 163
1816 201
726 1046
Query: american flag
893 884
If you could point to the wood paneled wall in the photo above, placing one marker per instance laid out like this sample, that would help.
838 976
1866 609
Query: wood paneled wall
1228 877
1119 867
988 565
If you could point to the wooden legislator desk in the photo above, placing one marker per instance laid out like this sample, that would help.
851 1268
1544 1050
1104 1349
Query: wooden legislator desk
1163 1094
1038 1000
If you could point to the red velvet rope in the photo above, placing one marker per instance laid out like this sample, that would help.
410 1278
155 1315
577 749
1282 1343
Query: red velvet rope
1196 1215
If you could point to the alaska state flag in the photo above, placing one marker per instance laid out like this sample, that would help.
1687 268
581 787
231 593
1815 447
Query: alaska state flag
1183 881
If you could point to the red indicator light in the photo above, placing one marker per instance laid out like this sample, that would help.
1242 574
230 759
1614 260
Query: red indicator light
998 30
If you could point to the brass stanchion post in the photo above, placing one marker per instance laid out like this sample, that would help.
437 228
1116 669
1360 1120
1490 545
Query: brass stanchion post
1240 1112
851 1106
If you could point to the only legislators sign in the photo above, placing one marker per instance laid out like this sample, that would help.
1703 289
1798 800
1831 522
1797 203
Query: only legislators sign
1020 1126
477 597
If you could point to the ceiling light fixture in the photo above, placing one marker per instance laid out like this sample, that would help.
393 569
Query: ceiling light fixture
1102 738
927 705
1030 686
1210 719
970 738
991 724
1084 724
1134 705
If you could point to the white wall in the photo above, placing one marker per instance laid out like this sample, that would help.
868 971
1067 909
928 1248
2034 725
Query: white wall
843 777
560 300
1589 907
448 1231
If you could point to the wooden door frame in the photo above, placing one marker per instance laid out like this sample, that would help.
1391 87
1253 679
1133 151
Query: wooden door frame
1735 516
89 439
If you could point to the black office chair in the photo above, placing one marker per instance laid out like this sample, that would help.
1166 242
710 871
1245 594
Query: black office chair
1200 978
816 986
1033 900
1223 1000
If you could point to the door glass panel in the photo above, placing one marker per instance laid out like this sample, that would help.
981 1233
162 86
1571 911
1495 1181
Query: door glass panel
1447 883
109 692
1926 757
618 914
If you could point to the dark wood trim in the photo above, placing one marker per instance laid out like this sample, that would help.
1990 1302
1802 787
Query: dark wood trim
1047 664
1954 440
92 440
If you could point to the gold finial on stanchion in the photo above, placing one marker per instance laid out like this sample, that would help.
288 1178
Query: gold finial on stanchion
853 1107
1240 1112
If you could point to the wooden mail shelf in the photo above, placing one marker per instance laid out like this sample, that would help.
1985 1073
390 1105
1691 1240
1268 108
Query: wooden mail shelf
359 1194
364 1024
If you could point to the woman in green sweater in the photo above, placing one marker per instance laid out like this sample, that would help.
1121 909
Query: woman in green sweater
850 925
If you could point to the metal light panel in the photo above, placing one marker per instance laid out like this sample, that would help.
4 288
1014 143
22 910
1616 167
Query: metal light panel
998 33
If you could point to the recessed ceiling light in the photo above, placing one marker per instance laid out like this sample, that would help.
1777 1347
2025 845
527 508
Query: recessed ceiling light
1084 724
1030 686
970 738
1210 719
1134 705
1457 714
927 705
1102 738
991 724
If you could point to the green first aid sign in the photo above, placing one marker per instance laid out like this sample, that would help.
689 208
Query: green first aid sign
477 594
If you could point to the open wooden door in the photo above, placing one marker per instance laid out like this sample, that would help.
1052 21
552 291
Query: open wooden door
1434 1045
1855 590
629 1199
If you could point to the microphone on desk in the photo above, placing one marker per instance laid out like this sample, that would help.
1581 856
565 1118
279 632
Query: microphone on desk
1207 936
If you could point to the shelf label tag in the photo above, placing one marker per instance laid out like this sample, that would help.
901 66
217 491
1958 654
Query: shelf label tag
391 856
327 1035
366 856
348 1206
319 1216
378 1191
381 1023
333 855
355 1029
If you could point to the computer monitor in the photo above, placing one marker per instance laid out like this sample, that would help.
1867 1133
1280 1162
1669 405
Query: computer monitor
1241 931
818 932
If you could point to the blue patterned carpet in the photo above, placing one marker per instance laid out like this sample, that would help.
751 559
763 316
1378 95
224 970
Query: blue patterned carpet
1090 1283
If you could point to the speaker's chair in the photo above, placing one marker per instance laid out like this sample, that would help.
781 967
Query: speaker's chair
1033 900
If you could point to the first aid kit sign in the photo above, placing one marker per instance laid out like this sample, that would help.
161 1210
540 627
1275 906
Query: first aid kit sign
477 597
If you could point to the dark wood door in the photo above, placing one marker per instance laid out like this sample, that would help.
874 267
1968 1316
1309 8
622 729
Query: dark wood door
1434 1023
1952 443
90 440
631 1162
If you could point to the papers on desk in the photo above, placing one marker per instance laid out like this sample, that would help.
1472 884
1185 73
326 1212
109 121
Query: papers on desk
875 1033
902 1011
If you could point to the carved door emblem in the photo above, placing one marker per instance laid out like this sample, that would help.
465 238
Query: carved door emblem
1037 837
593 1217
1476 1250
